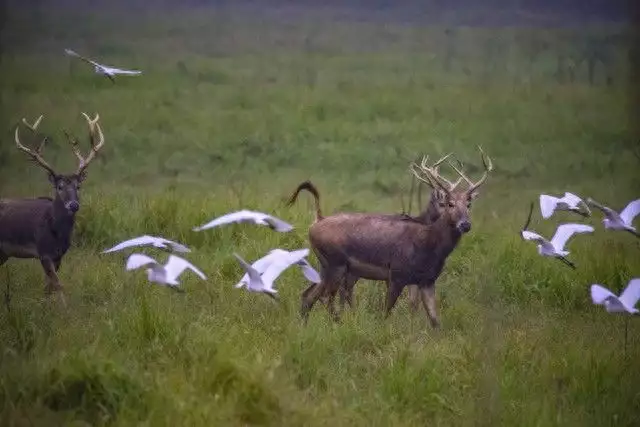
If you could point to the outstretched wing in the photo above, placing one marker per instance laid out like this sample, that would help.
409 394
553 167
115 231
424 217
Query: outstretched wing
259 266
547 205
565 231
240 216
630 212
606 210
254 276
138 260
600 294
571 199
114 70
530 235
176 265
275 269
277 224
178 247
138 241
87 60
631 293
309 272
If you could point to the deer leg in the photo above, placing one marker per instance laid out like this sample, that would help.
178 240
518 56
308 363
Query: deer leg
393 292
414 297
53 283
428 294
346 291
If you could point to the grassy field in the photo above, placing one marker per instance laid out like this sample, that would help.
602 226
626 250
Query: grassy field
234 109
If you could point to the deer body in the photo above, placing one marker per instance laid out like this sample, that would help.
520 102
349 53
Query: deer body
42 227
398 249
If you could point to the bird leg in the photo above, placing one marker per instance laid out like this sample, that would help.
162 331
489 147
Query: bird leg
567 262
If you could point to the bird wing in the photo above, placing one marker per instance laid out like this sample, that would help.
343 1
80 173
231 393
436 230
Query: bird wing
254 276
87 60
565 231
260 266
138 260
115 70
240 216
606 210
276 268
571 199
630 212
547 205
600 294
178 247
138 241
309 272
277 224
631 294
530 235
176 265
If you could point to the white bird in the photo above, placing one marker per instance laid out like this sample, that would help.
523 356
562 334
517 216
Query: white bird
248 216
263 263
614 304
146 240
105 70
570 202
264 282
555 247
163 274
619 221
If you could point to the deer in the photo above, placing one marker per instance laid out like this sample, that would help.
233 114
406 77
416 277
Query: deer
400 251
430 212
41 227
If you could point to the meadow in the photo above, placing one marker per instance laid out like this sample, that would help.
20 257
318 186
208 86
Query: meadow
235 108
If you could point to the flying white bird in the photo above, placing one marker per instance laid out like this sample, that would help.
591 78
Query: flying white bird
570 202
614 304
105 70
555 247
264 282
263 263
163 274
248 216
146 240
622 220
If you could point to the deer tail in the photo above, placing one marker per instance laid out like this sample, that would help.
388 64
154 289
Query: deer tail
307 185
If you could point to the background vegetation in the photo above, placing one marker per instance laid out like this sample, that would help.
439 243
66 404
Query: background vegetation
236 106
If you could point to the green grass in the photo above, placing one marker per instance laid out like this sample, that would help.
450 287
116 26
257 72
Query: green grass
233 112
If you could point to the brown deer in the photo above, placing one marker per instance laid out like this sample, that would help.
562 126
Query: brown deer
41 227
401 251
431 211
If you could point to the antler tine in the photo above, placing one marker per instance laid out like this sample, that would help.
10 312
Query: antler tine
35 124
488 167
35 155
434 180
95 146
75 146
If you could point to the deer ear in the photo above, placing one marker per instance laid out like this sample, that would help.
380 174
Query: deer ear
473 195
52 178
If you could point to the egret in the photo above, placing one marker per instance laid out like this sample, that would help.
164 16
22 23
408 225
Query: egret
163 274
105 70
263 263
264 282
157 242
570 202
617 304
555 247
248 216
619 221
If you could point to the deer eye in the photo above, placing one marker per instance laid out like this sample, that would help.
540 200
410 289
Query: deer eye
60 185
451 204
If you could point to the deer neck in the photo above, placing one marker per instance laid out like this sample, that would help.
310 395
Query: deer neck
62 221
445 235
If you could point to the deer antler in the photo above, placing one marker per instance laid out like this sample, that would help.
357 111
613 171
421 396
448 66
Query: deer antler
431 175
488 167
95 145
37 154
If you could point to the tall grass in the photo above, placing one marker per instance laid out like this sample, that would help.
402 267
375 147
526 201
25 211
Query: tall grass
232 111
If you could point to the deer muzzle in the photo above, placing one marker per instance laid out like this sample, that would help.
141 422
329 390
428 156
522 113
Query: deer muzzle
464 226
72 206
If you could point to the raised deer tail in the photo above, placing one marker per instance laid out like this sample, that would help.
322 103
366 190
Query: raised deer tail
307 185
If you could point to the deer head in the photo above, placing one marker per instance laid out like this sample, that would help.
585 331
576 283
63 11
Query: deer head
452 203
65 186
